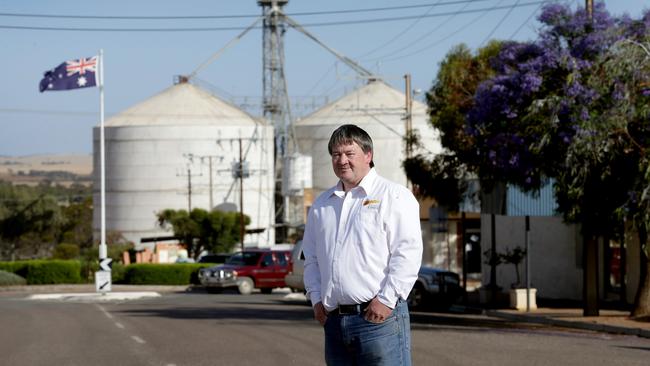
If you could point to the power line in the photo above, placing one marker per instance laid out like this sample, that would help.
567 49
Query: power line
506 15
398 35
525 22
417 40
317 24
448 36
48 112
232 16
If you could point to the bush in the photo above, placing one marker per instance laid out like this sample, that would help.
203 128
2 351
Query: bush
163 274
118 273
66 251
45 271
11 279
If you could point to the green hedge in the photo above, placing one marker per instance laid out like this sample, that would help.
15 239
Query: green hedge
72 271
37 272
163 274
11 279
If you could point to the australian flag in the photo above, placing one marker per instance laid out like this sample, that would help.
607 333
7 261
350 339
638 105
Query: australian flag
73 74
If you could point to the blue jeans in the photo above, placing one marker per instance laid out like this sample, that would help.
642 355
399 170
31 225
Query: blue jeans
352 340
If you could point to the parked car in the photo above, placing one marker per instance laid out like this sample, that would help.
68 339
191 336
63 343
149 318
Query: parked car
264 269
294 277
215 258
435 288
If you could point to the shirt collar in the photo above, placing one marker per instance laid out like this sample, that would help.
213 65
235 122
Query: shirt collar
366 184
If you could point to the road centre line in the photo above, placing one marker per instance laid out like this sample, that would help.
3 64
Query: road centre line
138 339
108 315
120 325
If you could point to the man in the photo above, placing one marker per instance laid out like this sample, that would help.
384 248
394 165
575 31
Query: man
363 249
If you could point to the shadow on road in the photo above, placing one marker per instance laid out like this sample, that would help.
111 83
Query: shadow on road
241 311
237 307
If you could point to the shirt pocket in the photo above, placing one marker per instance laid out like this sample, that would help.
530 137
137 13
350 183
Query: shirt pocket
368 222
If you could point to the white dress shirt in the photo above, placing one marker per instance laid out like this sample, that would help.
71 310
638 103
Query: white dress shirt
363 243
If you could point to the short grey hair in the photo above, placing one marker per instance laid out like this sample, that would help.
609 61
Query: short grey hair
346 135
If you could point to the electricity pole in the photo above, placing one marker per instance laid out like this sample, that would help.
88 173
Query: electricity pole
209 158
241 196
189 186
589 6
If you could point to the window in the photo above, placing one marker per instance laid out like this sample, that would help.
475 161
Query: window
267 261
282 259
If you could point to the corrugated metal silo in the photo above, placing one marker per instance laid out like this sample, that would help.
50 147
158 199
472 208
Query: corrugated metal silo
380 110
151 146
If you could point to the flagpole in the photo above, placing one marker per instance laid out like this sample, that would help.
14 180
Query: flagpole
102 157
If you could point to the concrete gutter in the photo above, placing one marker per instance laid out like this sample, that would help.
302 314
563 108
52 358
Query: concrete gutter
584 325
90 288
95 296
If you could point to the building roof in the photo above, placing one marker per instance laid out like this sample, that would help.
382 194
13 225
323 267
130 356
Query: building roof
182 104
362 105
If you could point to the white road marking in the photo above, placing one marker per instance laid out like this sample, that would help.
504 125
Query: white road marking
105 312
138 339
121 326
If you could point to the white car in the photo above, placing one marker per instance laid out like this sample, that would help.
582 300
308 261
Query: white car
293 279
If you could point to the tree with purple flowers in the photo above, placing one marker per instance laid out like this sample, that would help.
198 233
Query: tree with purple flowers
572 106
444 176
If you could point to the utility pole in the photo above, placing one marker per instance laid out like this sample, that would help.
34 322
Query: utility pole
408 121
239 170
241 196
590 261
209 158
189 186
409 114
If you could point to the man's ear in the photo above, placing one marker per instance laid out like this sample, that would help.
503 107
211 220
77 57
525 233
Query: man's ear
368 157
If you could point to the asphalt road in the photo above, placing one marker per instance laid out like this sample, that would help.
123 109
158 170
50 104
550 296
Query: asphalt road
230 329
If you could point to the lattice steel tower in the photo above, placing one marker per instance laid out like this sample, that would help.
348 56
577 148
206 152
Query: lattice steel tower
275 101
275 97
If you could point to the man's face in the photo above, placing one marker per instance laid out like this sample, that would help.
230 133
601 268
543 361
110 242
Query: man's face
350 164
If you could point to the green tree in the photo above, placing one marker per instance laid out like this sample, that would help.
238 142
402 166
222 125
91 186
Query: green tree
76 226
612 153
28 222
444 176
214 231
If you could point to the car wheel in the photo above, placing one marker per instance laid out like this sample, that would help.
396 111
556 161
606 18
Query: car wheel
416 297
245 285
266 290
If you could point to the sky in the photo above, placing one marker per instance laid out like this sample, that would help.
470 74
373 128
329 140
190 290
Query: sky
412 36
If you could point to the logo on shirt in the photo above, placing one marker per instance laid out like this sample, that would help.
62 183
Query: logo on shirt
371 203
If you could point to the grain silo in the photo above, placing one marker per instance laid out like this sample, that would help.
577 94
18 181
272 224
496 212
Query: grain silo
177 150
380 110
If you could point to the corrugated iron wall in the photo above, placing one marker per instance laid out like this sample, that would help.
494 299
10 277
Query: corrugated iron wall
522 204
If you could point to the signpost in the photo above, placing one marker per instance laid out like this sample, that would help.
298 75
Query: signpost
103 276
103 281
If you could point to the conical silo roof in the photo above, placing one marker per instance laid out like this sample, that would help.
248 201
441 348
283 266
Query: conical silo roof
362 105
380 110
184 104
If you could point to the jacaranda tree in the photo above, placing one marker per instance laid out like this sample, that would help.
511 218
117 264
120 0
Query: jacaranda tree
444 176
569 106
